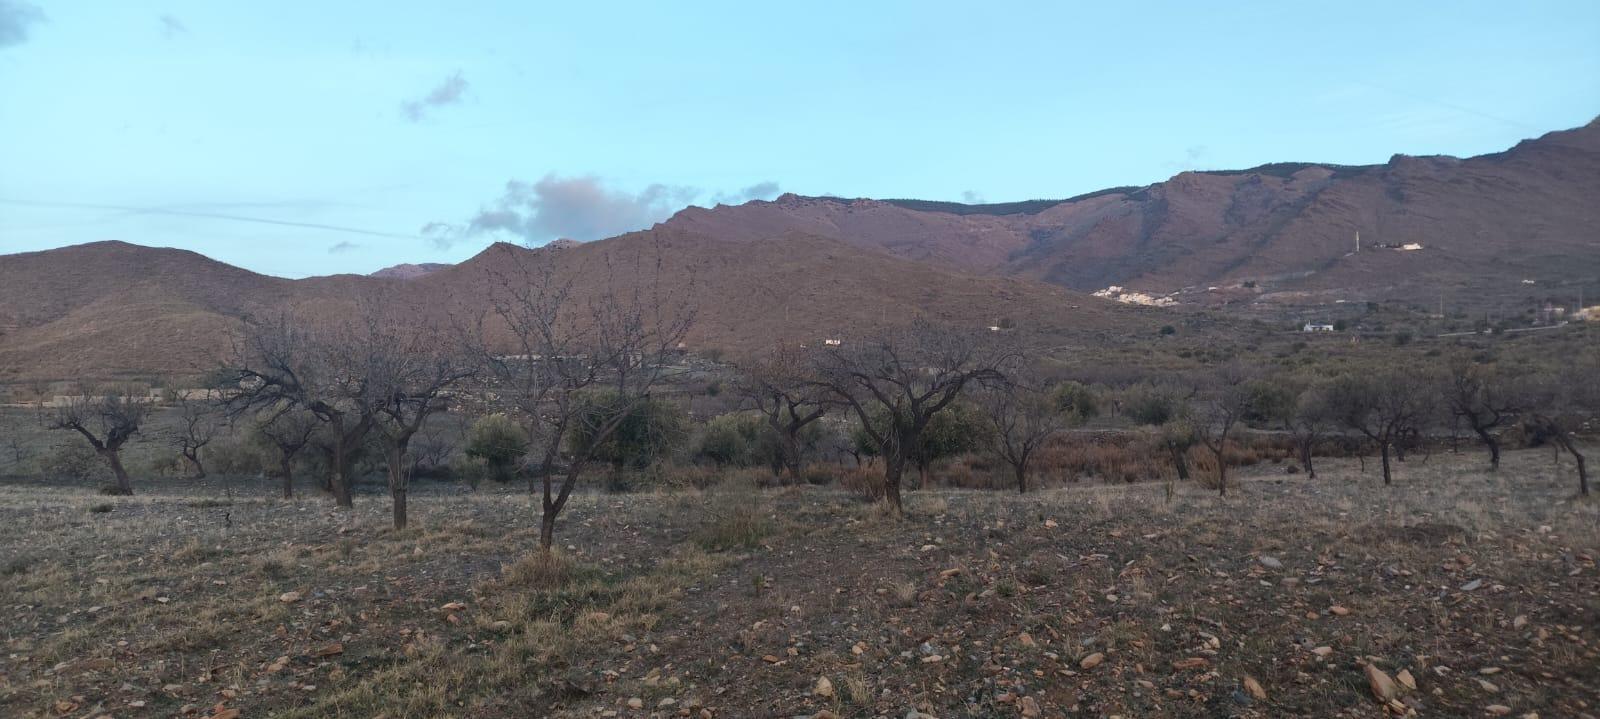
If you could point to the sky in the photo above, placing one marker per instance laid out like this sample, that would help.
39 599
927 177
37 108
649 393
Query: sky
309 138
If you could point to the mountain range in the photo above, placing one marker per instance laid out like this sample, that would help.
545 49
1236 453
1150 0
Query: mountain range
1280 240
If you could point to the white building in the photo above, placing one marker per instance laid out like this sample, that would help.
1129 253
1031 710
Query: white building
1312 327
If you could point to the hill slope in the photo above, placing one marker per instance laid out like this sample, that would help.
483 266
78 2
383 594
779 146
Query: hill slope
1485 224
116 310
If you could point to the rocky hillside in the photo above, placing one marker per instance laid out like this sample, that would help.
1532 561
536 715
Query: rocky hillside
1284 232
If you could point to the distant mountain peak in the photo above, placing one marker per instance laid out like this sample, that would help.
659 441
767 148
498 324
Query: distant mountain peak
409 271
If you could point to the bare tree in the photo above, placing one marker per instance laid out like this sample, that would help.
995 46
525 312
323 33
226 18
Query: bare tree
564 346
107 420
1022 418
414 378
1227 401
1298 407
1560 403
286 430
1385 406
197 425
327 372
1485 398
783 388
1167 410
899 381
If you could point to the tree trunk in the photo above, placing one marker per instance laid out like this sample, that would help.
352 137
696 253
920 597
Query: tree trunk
922 476
893 467
791 456
1022 478
399 507
1305 459
341 479
123 486
547 530
1383 449
286 465
1493 445
1222 472
1178 462
1583 472
194 460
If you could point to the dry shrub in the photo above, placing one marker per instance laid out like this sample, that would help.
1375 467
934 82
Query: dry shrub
737 520
540 570
865 482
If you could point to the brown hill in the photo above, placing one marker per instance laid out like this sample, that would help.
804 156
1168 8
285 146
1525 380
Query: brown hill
1485 224
407 270
115 310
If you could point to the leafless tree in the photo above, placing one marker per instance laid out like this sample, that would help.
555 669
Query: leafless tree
1226 402
1298 406
1022 418
783 389
1561 402
414 379
619 336
1484 397
197 425
1386 406
328 372
287 430
108 420
1166 408
897 382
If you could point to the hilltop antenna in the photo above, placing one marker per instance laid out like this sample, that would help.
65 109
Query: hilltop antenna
1358 242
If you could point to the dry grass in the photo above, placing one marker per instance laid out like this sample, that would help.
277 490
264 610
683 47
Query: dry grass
173 598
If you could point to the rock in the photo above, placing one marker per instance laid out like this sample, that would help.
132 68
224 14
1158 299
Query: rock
453 607
1382 686
1030 707
333 649
1520 622
1404 677
1050 524
289 597
1489 671
1322 652
1498 710
824 687
1339 610
1092 661
667 702
1254 688
914 714
1270 562
1191 663
225 714
1474 584
636 703
1026 639
948 573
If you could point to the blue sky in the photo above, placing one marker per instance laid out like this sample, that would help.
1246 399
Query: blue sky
299 138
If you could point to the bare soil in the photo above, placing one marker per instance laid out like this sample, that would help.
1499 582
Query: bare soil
203 598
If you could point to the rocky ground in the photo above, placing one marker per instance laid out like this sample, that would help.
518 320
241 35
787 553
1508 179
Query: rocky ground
1453 593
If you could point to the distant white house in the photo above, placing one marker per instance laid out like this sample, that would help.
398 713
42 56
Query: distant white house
1314 327
832 343
1411 247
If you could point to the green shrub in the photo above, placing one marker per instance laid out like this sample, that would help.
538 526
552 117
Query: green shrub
496 444
648 429
71 461
735 439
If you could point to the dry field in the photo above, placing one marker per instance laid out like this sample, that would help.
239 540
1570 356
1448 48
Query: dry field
1473 594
